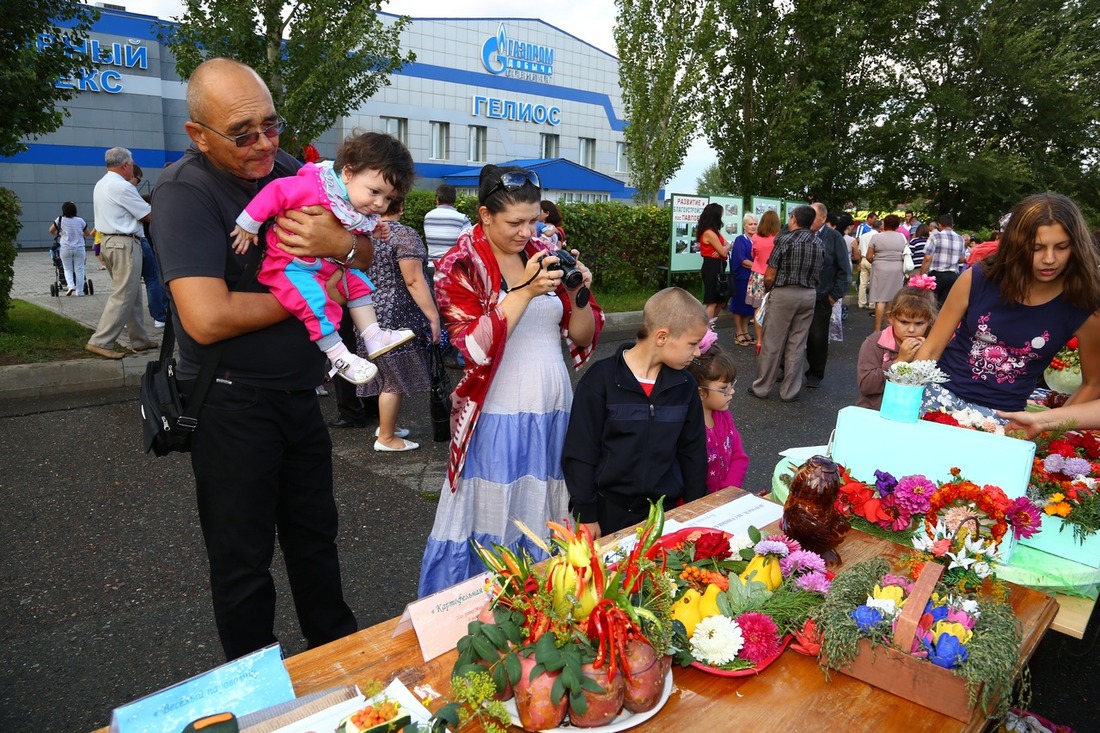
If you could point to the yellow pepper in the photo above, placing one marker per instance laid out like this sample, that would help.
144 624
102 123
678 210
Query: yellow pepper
708 604
687 610
766 569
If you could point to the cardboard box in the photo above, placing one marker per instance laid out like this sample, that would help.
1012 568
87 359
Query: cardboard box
1058 539
893 669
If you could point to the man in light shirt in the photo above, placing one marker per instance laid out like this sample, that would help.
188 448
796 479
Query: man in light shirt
444 223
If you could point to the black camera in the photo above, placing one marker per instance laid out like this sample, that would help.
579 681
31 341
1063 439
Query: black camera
571 277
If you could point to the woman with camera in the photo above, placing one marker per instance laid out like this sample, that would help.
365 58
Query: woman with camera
506 301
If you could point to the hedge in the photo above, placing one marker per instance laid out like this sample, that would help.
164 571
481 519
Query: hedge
623 245
10 210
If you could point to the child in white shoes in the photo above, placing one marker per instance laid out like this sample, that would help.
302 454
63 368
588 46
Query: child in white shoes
370 170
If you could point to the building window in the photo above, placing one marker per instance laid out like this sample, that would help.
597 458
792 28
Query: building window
622 165
586 154
398 127
478 136
441 141
551 145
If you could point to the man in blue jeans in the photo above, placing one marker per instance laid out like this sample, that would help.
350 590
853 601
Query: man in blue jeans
154 291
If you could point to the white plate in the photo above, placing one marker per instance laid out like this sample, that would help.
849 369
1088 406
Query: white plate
625 720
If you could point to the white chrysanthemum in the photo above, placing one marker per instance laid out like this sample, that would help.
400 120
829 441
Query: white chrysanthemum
716 641
738 543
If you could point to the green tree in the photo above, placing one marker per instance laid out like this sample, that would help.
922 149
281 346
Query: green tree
661 45
712 182
996 100
43 43
320 58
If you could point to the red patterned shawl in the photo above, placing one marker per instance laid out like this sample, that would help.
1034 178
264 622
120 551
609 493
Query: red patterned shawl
467 289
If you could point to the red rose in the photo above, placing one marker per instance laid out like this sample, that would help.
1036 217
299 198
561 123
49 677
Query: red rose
712 545
1062 447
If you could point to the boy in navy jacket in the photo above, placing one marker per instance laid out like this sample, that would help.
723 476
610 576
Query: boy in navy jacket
636 430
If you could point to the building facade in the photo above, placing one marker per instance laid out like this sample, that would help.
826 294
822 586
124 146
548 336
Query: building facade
482 90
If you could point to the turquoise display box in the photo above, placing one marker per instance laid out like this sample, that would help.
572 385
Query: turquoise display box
1055 540
901 402
865 441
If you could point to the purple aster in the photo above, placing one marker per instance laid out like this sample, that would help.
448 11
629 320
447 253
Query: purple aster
814 582
800 562
1053 463
1076 467
884 482
914 493
771 547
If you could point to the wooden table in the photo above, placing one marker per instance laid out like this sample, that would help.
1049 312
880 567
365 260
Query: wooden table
792 695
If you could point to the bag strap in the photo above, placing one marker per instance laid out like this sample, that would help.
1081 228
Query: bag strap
189 420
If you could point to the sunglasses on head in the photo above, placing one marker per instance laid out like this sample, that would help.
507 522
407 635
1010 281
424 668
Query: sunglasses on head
514 180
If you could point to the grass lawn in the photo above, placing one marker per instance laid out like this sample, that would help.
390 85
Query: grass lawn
35 334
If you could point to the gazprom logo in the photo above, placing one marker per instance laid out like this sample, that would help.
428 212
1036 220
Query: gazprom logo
502 55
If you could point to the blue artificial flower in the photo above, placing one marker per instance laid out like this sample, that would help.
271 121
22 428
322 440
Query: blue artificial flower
885 483
948 652
866 617
939 613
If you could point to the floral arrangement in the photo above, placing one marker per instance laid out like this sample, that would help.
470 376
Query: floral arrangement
914 373
571 636
977 638
955 522
965 418
1068 358
737 599
1064 478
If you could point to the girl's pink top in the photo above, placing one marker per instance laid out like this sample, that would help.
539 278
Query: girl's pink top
727 462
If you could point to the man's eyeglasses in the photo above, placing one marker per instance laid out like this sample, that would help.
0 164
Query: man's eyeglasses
728 391
248 139
514 180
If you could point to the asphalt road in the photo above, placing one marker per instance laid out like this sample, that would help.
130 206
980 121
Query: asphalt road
104 580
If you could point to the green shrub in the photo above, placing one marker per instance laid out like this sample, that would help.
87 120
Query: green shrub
9 231
622 245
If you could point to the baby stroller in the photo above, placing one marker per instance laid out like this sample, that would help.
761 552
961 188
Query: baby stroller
59 285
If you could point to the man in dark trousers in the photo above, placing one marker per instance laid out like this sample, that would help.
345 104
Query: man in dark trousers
261 453
832 286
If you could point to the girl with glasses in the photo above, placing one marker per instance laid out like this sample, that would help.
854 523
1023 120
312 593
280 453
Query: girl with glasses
503 303
716 375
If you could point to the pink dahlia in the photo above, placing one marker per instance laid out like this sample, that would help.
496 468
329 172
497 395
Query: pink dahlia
761 637
914 493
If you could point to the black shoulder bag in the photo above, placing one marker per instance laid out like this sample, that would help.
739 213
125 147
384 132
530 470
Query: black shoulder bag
167 424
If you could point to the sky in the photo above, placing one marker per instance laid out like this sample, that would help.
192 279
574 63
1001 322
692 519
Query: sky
592 21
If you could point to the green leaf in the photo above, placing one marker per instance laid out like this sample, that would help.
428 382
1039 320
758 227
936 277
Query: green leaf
578 702
557 690
587 683
570 678
547 653
495 635
485 650
512 665
500 677
754 535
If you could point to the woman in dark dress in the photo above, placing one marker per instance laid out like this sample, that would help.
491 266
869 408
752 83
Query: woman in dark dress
740 271
715 251
402 299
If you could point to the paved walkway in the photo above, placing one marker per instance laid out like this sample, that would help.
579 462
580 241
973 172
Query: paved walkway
34 274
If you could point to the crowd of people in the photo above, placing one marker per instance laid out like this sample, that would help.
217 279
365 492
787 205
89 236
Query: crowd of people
336 283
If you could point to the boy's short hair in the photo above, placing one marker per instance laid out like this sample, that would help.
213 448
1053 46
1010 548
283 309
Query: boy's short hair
673 308
381 152
713 366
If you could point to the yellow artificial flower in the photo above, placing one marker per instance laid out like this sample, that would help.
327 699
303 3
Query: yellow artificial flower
890 593
955 629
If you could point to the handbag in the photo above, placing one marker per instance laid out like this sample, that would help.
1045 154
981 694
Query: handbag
440 396
907 260
166 422
167 425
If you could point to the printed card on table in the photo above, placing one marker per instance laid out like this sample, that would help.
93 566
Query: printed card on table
440 620
738 515
243 686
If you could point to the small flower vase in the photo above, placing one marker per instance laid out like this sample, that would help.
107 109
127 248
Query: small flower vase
1065 381
901 402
